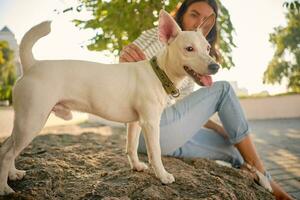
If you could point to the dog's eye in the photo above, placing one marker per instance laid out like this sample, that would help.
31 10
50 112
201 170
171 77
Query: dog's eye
208 49
189 49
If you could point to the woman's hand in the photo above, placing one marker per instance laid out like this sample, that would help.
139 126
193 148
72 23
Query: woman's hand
131 53
217 128
220 129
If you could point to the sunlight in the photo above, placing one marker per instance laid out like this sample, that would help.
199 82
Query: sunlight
253 24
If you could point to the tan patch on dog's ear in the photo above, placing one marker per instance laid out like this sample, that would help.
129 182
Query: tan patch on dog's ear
206 26
168 29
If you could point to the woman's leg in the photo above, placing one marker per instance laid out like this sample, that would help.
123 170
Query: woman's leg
247 149
180 122
206 143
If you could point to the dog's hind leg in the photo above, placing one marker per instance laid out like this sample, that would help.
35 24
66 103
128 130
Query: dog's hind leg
26 126
4 166
133 133
7 156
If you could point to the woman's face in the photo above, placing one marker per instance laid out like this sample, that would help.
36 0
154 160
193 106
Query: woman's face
196 14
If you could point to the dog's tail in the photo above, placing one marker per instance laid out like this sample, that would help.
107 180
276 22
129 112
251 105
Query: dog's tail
29 39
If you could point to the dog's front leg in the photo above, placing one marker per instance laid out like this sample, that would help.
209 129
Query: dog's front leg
151 135
133 133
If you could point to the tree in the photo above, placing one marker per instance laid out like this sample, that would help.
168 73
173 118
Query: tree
293 5
7 71
119 22
286 60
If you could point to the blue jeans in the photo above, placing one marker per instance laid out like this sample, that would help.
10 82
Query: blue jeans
181 126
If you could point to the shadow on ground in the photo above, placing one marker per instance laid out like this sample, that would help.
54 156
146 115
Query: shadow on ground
277 142
94 166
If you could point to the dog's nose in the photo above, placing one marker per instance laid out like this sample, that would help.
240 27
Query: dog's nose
213 68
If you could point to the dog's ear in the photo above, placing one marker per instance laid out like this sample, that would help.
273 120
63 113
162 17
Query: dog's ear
206 26
168 29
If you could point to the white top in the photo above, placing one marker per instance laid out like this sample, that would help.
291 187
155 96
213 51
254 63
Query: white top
149 43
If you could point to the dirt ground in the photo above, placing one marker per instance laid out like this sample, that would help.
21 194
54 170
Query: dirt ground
89 162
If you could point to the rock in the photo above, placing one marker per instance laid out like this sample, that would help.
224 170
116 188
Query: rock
74 167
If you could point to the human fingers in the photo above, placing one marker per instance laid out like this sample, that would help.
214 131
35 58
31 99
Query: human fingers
138 51
135 52
126 57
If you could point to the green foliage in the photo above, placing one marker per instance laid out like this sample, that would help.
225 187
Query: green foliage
226 40
7 71
119 22
293 5
286 59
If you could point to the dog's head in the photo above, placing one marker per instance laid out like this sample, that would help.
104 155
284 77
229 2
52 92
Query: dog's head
188 51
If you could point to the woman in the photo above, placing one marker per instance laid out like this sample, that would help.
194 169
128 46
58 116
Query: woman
181 133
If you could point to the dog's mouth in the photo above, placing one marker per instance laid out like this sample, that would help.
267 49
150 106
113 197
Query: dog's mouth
202 80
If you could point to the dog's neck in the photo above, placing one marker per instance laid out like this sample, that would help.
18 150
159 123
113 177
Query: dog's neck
165 62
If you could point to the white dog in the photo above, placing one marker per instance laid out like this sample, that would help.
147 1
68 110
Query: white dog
127 92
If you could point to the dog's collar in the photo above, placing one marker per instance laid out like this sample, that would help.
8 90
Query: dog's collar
164 79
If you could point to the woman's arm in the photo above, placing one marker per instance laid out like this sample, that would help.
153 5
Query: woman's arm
216 127
145 46
131 53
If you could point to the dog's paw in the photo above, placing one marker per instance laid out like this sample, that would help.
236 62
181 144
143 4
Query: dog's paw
140 166
5 190
16 174
167 178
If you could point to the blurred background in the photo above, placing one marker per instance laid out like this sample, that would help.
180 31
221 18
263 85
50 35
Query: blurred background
259 44
259 41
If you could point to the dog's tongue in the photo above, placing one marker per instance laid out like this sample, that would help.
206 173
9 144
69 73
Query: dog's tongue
205 80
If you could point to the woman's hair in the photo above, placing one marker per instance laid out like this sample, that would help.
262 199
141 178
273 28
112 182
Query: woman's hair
212 36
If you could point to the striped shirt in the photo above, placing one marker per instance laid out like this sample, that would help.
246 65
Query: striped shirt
149 43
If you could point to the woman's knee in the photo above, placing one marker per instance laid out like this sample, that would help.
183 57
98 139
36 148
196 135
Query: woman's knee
224 86
220 88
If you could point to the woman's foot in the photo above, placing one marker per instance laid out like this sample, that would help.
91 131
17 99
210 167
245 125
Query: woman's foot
260 178
277 191
248 151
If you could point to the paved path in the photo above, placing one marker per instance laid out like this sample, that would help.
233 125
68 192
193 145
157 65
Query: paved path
278 143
